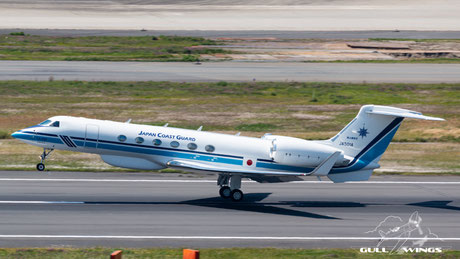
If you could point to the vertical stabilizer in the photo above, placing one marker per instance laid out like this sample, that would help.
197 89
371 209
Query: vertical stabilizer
366 137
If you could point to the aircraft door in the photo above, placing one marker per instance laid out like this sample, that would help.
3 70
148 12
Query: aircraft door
91 136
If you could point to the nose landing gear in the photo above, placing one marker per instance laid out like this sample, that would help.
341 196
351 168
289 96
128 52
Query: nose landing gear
46 152
233 191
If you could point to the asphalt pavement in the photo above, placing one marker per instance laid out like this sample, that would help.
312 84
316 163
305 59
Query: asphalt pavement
230 71
151 210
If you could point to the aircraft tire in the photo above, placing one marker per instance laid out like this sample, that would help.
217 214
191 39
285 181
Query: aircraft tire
40 167
237 195
225 192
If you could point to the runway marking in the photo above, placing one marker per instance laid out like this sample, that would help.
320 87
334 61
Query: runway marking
204 181
42 202
224 237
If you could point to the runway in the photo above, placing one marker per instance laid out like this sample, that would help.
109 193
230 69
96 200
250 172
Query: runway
230 71
286 15
165 210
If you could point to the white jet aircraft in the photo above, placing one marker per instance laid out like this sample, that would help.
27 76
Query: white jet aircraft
351 155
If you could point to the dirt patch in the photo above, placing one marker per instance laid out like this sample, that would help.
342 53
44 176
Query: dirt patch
304 116
323 108
333 50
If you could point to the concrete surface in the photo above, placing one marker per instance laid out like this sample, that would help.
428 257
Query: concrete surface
145 209
232 15
229 71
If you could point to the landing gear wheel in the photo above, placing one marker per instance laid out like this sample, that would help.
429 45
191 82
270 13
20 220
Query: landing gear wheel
225 192
236 195
43 156
40 167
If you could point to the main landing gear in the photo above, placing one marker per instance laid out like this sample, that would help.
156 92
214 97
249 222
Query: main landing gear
233 191
46 152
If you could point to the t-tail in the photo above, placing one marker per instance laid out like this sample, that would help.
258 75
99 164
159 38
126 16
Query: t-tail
365 139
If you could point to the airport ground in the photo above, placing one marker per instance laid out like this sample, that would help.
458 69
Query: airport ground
87 209
291 15
19 45
172 209
305 110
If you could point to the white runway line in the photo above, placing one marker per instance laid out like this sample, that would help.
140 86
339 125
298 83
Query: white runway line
222 237
204 181
42 202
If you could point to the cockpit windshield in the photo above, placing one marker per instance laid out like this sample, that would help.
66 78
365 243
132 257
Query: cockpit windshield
45 122
50 123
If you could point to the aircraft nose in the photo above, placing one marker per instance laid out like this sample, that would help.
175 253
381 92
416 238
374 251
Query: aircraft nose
15 134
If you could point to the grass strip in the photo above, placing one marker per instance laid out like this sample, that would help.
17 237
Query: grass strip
19 46
265 253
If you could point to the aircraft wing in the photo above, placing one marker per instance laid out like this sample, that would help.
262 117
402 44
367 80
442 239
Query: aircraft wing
256 175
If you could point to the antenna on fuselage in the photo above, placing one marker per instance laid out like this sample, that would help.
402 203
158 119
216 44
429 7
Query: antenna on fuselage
128 121
200 128
166 125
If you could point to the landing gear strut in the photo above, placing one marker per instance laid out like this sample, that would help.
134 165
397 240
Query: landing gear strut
233 191
46 152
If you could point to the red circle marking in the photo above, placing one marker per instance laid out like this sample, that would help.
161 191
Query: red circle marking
249 162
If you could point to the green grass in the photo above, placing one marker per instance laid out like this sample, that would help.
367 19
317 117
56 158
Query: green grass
279 107
5 134
218 253
256 127
21 46
18 46
325 93
255 108
19 33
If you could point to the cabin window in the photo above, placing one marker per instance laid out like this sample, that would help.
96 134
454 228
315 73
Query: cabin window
139 140
192 146
122 138
157 142
209 148
55 124
174 144
45 122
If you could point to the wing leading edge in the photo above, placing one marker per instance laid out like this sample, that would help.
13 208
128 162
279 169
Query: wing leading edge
259 176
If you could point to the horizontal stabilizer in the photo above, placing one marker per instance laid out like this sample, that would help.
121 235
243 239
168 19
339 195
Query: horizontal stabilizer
325 167
398 112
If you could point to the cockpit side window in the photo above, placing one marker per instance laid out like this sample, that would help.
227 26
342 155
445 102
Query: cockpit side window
55 124
45 122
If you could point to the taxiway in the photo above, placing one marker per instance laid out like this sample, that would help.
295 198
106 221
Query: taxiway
230 71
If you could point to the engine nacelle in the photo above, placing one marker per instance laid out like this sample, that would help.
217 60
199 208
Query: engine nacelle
131 162
300 152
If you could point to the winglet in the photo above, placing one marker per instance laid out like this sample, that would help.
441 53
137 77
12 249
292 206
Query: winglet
325 167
